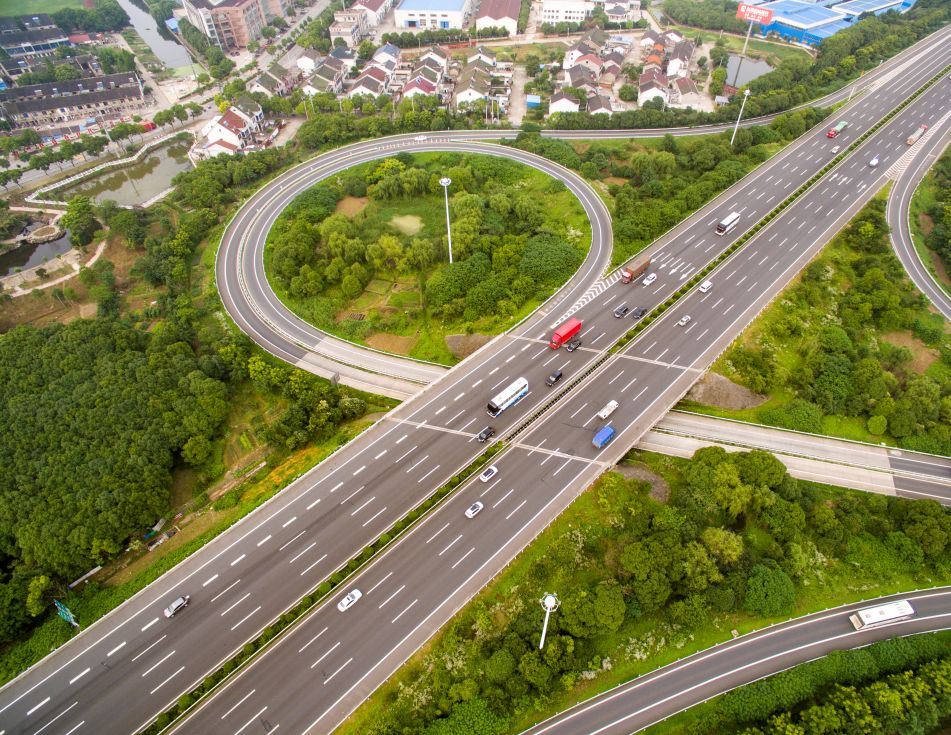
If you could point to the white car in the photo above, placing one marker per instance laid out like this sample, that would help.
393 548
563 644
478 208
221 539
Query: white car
473 510
347 602
488 473
836 149
420 138
179 604
874 162
684 321
649 279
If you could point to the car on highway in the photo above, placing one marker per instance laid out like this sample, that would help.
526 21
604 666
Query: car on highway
649 279
177 605
488 473
420 138
573 345
350 600
684 321
553 378
621 311
705 286
874 162
835 149
638 312
487 433
473 510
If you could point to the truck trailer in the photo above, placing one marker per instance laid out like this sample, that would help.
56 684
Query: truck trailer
629 273
913 138
565 332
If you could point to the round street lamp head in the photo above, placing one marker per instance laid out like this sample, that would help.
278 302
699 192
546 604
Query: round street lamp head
550 602
445 181
746 93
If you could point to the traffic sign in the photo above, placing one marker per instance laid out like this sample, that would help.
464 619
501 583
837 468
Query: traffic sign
754 14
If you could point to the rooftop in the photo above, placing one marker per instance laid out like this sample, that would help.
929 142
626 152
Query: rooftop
829 29
857 7
798 14
496 9
433 5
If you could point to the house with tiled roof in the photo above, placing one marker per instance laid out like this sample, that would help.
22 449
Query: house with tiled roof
561 102
580 77
483 54
438 55
473 84
418 86
230 129
599 105
678 62
649 38
592 62
685 93
366 84
498 14
652 85
375 10
308 61
346 56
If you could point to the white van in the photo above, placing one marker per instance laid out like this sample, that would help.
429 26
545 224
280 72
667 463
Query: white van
607 410
705 286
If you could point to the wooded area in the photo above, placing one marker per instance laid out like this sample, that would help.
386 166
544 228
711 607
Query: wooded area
738 543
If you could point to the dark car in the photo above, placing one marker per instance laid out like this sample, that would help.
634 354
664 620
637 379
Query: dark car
553 378
638 312
621 311
487 433
573 344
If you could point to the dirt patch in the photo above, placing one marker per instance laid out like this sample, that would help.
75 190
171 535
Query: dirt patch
940 271
463 345
351 206
923 356
925 224
392 343
408 224
614 180
660 490
715 390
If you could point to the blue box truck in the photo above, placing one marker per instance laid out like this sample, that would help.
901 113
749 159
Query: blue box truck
604 435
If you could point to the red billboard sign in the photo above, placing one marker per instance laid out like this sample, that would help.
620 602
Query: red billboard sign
754 14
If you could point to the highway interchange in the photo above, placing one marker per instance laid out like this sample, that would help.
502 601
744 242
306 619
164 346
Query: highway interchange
133 663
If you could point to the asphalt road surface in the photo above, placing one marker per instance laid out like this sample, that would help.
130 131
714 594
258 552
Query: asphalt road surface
134 663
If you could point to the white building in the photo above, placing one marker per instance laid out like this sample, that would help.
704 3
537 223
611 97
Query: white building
560 102
566 11
432 14
499 14
375 10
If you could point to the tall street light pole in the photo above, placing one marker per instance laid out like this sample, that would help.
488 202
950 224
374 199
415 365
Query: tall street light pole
746 94
445 181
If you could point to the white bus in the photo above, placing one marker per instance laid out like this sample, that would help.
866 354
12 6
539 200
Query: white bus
728 223
891 612
508 397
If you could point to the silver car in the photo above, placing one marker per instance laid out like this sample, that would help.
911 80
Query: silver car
347 602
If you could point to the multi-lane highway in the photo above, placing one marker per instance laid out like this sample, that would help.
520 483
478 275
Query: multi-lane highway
672 689
133 663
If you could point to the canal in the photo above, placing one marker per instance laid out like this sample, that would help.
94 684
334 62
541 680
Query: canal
169 52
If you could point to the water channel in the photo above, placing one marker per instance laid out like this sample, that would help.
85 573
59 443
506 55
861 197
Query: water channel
169 52
137 183
28 256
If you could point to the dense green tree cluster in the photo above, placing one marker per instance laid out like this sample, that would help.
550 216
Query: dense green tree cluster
430 36
737 534
716 15
939 239
218 181
845 368
506 248
94 413
11 223
219 65
105 16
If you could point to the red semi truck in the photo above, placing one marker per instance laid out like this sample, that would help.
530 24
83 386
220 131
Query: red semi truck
565 332
632 272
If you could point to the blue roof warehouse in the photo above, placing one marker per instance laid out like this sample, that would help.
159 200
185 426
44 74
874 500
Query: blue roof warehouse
811 23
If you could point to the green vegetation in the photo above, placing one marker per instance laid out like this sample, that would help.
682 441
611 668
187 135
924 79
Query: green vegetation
644 581
713 14
851 348
931 218
106 16
16 7
383 270
897 685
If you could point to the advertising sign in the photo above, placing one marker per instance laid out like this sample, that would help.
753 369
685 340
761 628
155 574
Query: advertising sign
754 14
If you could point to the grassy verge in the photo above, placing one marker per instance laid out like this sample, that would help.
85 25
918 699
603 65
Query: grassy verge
770 51
926 196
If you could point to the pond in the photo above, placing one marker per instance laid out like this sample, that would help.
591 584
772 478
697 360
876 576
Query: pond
137 183
28 256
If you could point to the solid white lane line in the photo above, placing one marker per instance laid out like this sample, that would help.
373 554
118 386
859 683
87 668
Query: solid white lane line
79 676
459 396
500 500
478 382
245 618
561 468
212 578
380 606
440 410
616 377
406 435
53 720
429 473
264 540
498 384
406 454
381 454
311 505
140 654
388 575
305 571
417 463
301 650
465 425
235 604
149 625
628 385
74 729
456 416
703 333
345 664
350 496
116 649
336 487
35 708
287 523
511 357
253 719
299 555
404 611
493 371
578 411
553 357
238 559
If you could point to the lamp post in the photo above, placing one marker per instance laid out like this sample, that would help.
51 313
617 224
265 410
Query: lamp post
746 94
549 603
445 181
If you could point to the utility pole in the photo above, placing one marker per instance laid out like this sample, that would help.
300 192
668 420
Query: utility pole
445 181
746 95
